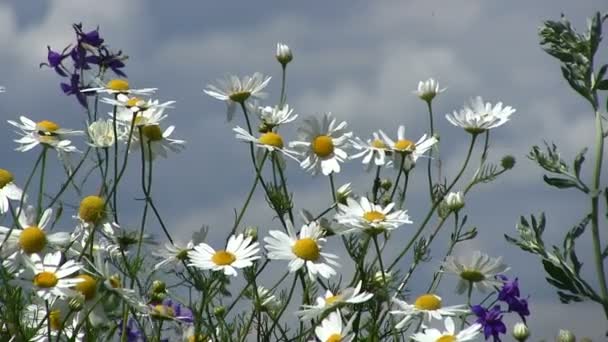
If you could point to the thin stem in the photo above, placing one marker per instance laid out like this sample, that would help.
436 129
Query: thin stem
283 183
333 187
379 254
41 183
115 132
428 165
70 178
405 183
283 97
276 320
396 185
376 185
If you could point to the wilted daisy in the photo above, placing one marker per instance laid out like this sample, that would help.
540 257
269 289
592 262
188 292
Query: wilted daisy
283 54
428 89
301 251
365 217
48 278
405 148
101 134
350 295
8 190
240 252
449 335
45 132
428 306
117 86
332 330
235 90
374 148
322 144
275 116
159 141
477 116
480 272
31 238
271 141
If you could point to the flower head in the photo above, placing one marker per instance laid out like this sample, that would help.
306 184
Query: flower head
155 142
490 320
332 329
449 335
478 117
8 190
350 295
271 141
365 217
101 133
374 148
234 90
427 90
45 132
117 86
283 54
480 272
48 278
275 116
240 252
302 250
405 150
428 305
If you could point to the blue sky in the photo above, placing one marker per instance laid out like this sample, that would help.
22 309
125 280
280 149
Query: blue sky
357 59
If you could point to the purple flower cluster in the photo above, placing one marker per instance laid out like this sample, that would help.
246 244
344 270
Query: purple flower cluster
88 51
491 318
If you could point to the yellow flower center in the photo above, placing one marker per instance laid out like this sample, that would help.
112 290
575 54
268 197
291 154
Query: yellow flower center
428 302
472 276
222 258
323 146
55 320
405 145
373 216
115 282
132 102
32 240
118 85
164 310
377 143
334 338
45 279
332 299
152 132
47 126
5 178
306 249
140 120
92 209
87 287
446 338
272 139
240 96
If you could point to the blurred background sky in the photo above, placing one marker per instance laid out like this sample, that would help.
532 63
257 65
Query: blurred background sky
358 59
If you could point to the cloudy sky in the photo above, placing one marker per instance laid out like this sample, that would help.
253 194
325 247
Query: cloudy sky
359 60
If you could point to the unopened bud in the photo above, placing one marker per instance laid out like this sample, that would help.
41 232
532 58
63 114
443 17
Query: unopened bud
252 232
565 336
283 54
158 286
386 184
343 192
76 303
378 278
219 311
507 162
521 332
454 201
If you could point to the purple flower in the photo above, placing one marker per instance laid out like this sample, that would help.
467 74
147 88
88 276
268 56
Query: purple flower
509 293
490 320
133 333
180 312
73 88
91 38
54 59
520 306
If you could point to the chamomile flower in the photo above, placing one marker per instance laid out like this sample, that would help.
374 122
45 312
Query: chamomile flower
427 90
48 278
302 250
101 133
31 237
365 217
428 306
403 147
135 104
45 132
350 295
271 141
158 141
332 329
240 252
322 144
275 116
374 148
234 90
478 117
58 319
117 86
480 272
8 190
173 254
449 335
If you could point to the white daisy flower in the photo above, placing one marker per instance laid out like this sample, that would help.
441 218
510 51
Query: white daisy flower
428 89
44 132
233 90
173 254
449 335
343 192
60 316
283 54
428 306
480 272
135 104
366 217
160 143
32 238
8 190
322 144
403 147
374 148
477 116
117 86
240 252
49 278
275 116
101 134
271 141
331 329
350 295
301 251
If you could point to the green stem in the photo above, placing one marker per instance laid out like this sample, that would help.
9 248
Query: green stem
41 183
405 183
333 187
379 254
115 132
276 320
70 178
283 86
428 165
376 185
283 184
396 185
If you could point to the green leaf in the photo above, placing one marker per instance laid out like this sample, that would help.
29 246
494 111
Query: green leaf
568 298
558 278
561 183
602 85
578 162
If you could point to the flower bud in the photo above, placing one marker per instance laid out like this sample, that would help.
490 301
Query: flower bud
521 332
454 201
219 311
252 232
565 336
386 184
427 90
76 303
158 286
343 192
507 162
283 54
378 277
